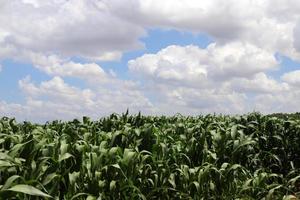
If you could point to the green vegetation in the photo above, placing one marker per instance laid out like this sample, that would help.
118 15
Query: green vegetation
142 157
286 116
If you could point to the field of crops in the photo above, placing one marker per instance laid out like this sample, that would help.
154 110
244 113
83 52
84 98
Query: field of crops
143 157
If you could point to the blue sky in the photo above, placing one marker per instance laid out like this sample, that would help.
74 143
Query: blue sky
156 40
92 58
13 71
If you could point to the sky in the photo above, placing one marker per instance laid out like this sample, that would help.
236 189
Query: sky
63 59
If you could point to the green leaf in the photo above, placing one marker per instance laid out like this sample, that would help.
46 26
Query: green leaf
224 165
9 181
172 180
128 156
289 197
13 152
78 195
65 157
112 185
196 184
113 151
73 177
91 198
117 166
49 178
28 189
5 164
293 180
235 166
272 191
63 147
233 131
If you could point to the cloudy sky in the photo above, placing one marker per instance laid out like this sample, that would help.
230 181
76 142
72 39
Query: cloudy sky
61 59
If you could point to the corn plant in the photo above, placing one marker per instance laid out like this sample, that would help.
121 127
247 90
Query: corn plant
151 157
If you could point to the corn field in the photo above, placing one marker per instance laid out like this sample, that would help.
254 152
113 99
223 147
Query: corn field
151 157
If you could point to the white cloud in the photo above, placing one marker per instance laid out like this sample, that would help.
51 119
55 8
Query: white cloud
296 36
191 80
259 83
267 24
12 110
192 88
239 60
216 17
56 90
103 30
283 10
292 77
67 102
195 101
83 28
232 79
55 66
190 64
288 101
230 75
174 63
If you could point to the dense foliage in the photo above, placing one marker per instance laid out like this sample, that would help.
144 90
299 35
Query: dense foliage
286 116
142 157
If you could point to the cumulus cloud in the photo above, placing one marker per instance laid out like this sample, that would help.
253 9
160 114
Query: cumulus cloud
55 66
288 101
12 110
259 83
239 60
216 17
56 90
67 102
230 75
292 78
191 64
283 10
296 36
84 28
195 101
103 30
174 63
266 24
229 78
